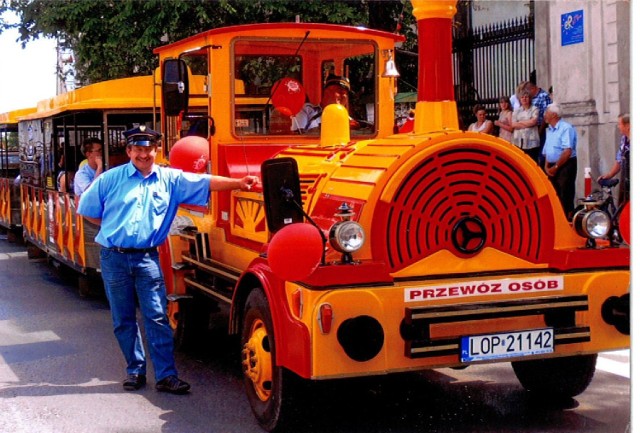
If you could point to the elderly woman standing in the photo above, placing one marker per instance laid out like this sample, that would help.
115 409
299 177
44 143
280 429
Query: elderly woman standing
525 127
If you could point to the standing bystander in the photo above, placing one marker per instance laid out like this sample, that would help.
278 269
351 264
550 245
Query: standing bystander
623 161
515 98
482 124
541 100
504 119
560 156
134 204
525 133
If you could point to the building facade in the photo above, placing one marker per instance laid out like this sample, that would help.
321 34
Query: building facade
583 50
580 48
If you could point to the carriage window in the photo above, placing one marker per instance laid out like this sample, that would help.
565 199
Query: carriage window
279 85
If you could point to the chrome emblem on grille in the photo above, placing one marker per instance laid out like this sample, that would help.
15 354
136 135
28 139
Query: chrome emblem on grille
469 235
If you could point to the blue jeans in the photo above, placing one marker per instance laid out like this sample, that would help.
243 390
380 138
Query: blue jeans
125 275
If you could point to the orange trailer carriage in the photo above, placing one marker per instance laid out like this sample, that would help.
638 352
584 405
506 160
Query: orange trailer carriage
10 219
50 143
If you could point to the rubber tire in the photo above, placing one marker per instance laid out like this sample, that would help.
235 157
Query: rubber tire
275 412
191 324
556 377
33 252
13 237
88 286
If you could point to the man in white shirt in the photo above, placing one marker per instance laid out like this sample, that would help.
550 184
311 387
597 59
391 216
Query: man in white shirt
336 91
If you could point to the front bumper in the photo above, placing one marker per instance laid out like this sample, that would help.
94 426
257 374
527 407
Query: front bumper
380 330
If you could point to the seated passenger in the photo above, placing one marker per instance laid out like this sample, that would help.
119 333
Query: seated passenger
336 91
87 173
65 181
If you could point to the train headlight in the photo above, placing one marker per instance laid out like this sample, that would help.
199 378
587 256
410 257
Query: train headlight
592 223
346 236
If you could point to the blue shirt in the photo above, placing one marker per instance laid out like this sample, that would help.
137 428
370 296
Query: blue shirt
137 212
83 178
625 146
542 100
562 136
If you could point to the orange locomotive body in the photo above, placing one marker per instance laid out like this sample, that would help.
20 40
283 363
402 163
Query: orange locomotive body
367 252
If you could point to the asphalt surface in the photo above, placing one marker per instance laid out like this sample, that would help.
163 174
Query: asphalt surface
61 371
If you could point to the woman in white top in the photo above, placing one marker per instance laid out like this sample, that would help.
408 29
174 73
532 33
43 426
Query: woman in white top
504 119
482 124
525 127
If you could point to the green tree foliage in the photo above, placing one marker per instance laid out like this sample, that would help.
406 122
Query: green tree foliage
115 38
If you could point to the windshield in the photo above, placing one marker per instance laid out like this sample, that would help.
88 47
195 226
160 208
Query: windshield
281 87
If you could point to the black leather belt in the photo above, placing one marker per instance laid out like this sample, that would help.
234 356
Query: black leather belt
133 250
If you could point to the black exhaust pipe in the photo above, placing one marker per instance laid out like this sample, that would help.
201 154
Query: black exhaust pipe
615 311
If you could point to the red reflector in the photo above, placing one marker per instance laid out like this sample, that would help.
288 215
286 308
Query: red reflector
325 317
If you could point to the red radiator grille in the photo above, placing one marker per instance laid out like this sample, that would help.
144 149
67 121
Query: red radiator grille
458 194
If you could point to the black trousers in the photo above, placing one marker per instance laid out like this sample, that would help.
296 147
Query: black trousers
534 154
564 183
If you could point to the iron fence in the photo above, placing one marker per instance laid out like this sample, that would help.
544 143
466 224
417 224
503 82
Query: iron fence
489 62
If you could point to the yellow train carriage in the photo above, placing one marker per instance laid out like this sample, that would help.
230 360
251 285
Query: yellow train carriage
51 152
9 170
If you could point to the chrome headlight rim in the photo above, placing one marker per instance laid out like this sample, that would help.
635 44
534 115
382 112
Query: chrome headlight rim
592 223
347 236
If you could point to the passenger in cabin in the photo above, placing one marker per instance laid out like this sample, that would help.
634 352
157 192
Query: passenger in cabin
135 204
65 181
87 173
336 91
65 178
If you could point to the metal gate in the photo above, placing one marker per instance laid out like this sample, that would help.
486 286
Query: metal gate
489 62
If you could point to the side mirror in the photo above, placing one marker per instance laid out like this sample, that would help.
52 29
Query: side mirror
282 198
175 87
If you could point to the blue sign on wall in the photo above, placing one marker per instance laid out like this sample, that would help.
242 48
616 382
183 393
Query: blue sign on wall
572 27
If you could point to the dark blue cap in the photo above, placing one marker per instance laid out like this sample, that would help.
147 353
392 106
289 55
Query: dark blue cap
336 80
142 136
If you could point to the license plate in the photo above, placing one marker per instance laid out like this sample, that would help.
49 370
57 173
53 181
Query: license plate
506 345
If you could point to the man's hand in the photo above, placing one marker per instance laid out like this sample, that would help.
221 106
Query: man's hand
551 170
248 182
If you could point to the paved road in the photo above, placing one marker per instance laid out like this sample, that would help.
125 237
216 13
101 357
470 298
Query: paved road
61 371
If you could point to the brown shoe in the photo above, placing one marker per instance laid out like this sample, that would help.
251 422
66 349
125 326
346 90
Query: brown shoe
134 382
173 385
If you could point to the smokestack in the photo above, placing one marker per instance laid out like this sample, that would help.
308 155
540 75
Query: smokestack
436 109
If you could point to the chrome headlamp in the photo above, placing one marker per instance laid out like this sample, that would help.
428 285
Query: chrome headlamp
592 223
346 236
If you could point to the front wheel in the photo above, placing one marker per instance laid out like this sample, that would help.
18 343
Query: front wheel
265 383
556 377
